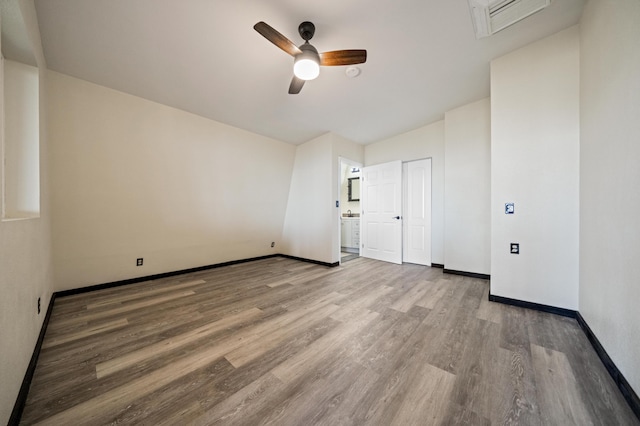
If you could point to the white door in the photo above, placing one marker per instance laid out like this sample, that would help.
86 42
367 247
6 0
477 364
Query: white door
417 212
381 220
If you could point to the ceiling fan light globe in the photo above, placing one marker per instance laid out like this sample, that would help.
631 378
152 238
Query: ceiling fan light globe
306 68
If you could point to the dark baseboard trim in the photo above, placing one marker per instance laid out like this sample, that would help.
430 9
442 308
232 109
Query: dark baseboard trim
317 262
437 265
157 276
21 400
466 274
182 271
622 383
535 306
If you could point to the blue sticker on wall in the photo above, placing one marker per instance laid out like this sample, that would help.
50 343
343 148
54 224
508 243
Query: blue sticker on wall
509 208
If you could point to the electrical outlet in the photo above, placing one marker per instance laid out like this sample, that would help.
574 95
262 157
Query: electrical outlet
139 261
273 243
515 248
38 306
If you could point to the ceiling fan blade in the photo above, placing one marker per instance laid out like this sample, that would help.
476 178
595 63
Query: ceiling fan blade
276 38
296 85
343 57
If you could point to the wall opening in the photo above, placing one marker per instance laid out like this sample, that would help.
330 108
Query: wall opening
20 141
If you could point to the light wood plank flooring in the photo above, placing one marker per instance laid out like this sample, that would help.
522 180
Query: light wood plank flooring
282 342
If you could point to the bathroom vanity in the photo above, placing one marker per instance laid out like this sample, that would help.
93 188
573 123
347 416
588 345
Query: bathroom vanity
350 233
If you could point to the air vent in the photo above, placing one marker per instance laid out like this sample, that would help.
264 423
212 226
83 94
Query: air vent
491 16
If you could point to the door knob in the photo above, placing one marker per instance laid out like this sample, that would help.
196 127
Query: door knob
396 217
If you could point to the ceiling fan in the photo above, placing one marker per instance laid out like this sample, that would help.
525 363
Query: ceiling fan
307 60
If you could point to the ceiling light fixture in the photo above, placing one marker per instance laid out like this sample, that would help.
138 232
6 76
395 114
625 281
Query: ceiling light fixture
306 65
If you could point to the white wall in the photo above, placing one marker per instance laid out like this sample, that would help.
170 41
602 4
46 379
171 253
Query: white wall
534 163
133 178
610 179
467 192
308 222
312 223
425 142
25 265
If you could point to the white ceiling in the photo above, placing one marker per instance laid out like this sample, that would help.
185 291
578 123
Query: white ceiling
203 56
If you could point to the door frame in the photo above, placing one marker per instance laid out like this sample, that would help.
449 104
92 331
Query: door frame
349 163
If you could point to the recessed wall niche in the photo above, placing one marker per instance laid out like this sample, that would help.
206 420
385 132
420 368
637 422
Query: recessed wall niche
19 109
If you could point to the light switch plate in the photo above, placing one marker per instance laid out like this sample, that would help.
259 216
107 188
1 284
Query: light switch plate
509 208
515 248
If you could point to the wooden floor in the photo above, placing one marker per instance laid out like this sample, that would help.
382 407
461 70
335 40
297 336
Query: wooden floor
282 342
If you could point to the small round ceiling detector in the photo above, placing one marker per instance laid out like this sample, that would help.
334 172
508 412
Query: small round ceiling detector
352 72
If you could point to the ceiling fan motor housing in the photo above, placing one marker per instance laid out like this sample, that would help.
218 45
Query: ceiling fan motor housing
309 51
307 30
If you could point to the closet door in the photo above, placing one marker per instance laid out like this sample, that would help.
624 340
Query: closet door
417 212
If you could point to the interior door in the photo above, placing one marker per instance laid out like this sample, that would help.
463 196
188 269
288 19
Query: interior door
381 220
417 212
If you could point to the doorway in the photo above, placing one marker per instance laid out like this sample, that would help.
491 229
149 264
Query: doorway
396 212
350 209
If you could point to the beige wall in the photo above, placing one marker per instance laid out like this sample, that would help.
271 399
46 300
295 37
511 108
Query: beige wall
308 220
25 266
26 275
535 164
133 178
610 179
312 224
467 188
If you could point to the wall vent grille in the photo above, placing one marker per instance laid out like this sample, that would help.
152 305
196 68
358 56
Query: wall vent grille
491 16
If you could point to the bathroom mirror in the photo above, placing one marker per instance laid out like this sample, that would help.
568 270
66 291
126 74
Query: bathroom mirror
353 186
